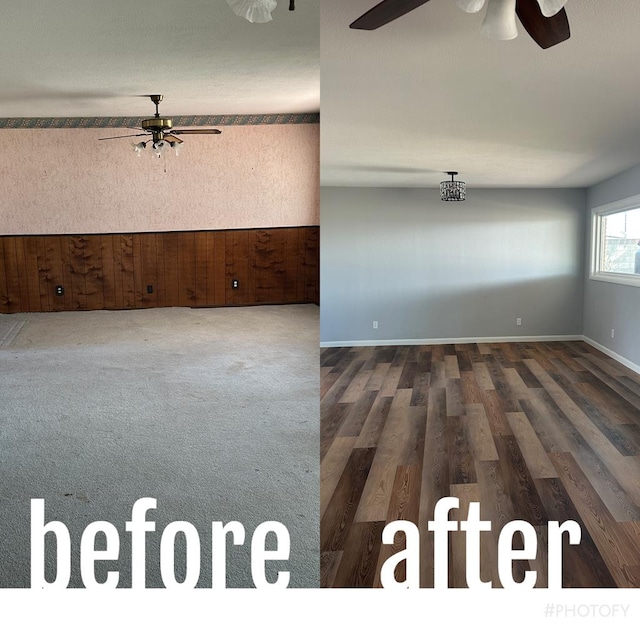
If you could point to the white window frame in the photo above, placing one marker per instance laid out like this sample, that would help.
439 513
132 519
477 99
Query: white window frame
597 214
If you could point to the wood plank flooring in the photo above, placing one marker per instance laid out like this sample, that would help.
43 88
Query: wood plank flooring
531 431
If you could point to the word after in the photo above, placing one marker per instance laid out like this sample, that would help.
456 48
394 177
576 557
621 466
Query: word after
473 526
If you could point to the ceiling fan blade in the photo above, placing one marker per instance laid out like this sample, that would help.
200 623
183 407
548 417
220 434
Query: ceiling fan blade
132 135
547 32
181 132
171 138
385 12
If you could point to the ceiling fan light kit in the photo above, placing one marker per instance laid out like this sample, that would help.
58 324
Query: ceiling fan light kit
158 147
544 20
453 190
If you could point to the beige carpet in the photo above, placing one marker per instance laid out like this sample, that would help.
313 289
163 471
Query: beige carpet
213 412
9 328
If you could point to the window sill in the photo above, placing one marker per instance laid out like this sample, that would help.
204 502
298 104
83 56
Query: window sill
617 278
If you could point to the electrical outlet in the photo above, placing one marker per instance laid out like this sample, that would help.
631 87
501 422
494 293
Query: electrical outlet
375 324
613 333
59 290
235 284
519 321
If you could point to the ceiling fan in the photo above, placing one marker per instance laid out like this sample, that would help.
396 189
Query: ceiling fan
545 20
161 131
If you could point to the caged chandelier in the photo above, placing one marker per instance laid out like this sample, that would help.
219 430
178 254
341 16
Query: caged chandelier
453 190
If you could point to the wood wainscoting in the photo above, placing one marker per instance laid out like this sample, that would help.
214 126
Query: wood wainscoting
167 269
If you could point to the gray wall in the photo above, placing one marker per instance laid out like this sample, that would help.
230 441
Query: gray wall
607 305
426 269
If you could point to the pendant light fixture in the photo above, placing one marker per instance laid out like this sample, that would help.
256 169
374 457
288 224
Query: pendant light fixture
453 190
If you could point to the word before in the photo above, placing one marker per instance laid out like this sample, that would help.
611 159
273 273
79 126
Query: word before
138 527
473 526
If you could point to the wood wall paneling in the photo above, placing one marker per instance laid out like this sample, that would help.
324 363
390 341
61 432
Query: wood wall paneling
182 268
148 270
109 272
33 276
201 269
160 271
278 250
311 265
171 278
186 269
128 275
43 274
291 270
219 259
58 272
12 274
4 290
77 269
262 261
238 267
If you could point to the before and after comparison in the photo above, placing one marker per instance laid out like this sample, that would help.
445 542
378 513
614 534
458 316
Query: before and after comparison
319 297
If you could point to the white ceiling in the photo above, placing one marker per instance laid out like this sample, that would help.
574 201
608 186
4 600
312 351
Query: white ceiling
429 93
96 57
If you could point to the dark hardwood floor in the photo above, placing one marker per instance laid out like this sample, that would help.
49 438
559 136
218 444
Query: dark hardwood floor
531 431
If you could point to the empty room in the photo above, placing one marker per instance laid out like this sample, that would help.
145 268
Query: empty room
159 293
480 362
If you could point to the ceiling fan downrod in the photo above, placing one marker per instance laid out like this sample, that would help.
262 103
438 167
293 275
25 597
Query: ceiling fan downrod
157 125
156 99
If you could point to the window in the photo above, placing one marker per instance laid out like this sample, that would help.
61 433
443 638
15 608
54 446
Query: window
616 242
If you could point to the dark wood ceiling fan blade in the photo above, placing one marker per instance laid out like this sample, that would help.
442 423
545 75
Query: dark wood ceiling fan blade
385 12
131 135
181 132
547 32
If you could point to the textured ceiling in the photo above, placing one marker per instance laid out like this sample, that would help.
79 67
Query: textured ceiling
429 93
96 57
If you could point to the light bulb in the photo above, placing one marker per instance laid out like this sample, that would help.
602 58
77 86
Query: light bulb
470 6
139 147
551 7
158 148
500 20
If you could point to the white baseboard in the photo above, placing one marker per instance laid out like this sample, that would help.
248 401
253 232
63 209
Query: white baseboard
612 354
420 341
393 343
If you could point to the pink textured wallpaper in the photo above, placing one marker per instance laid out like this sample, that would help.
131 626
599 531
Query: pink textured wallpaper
66 181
